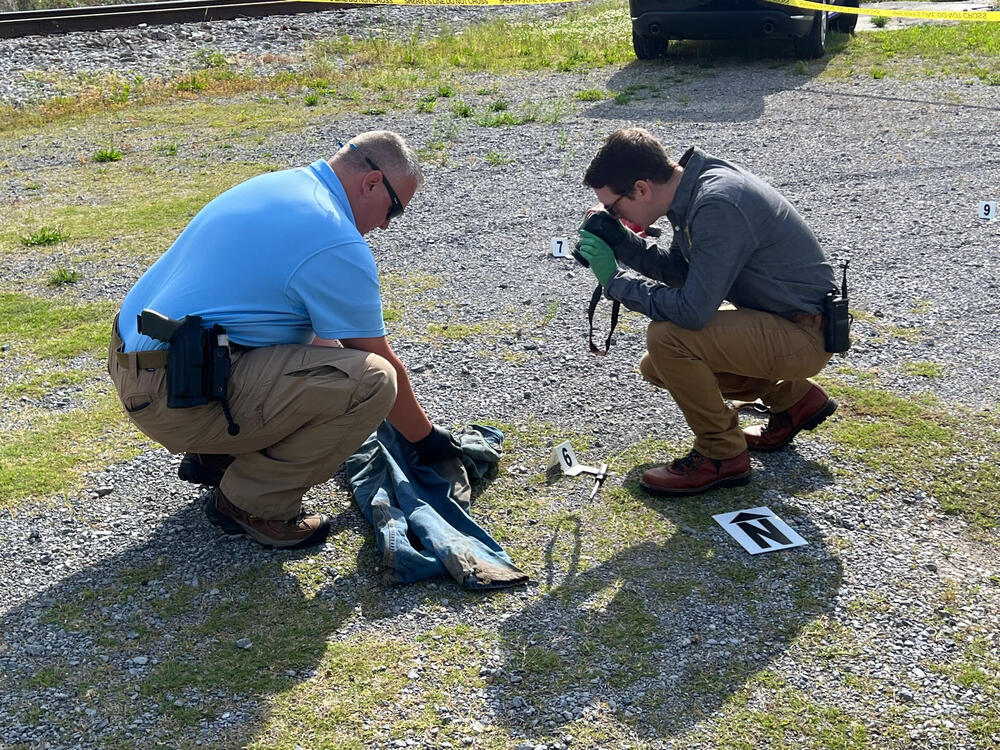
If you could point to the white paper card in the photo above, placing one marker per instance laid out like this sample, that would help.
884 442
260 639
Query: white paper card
759 530
560 247
565 458
988 210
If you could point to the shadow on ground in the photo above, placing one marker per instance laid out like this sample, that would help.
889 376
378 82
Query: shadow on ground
665 631
685 85
173 640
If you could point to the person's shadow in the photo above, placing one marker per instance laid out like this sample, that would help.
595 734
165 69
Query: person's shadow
174 628
666 630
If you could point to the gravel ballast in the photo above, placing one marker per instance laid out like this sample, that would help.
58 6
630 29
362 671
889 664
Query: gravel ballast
889 175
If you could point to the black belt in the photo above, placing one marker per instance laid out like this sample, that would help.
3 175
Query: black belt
148 360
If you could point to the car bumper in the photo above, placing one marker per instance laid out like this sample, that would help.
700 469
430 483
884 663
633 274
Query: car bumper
699 22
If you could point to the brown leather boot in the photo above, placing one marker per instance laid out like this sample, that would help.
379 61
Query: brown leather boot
781 427
304 530
696 473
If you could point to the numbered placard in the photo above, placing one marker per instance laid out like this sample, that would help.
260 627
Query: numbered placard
560 247
564 457
988 210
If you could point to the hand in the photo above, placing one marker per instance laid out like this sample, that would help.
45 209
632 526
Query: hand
438 445
599 255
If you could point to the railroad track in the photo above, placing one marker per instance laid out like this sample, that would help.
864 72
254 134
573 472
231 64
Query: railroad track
96 18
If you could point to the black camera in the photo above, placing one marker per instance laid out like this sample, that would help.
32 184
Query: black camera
605 226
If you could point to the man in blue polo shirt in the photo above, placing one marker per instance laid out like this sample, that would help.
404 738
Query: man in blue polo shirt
280 262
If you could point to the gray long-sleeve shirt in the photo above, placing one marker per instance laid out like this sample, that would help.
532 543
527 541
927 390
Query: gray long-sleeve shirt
736 238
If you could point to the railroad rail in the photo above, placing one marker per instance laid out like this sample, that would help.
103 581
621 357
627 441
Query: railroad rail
97 18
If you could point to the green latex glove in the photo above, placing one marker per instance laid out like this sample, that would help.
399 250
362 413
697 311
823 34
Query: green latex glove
600 256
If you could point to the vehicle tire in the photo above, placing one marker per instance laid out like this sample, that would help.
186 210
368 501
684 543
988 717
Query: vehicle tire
847 22
648 47
813 44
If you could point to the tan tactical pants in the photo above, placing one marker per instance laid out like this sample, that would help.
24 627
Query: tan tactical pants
302 410
741 354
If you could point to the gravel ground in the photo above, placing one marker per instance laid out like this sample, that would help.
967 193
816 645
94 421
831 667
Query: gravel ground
887 173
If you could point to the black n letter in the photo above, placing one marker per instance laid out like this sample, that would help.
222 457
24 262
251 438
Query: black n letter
769 531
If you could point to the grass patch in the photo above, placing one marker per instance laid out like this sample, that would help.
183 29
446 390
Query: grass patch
945 450
44 236
108 154
924 369
962 50
61 276
361 72
979 669
496 159
787 719
132 210
55 330
53 451
590 95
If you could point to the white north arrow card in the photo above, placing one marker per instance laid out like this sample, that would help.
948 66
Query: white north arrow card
759 530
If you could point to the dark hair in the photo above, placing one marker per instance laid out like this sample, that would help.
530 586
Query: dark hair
628 155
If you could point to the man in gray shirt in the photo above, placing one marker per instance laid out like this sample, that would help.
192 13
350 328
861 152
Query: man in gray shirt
736 239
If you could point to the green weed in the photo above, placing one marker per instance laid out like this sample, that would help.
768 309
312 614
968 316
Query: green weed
108 154
924 369
496 159
61 276
43 236
210 59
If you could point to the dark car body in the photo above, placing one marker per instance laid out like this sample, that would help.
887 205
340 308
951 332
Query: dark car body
654 22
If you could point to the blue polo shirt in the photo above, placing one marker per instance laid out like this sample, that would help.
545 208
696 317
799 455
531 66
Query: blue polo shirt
274 260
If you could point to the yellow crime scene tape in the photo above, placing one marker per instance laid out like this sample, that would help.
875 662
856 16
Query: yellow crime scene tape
942 15
945 15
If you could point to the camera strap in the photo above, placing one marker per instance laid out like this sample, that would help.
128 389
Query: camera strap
591 309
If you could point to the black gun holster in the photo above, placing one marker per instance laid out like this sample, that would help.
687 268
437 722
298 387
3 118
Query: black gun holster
198 364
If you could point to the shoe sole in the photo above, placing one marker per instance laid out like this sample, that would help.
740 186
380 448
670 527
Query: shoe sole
233 527
810 424
733 481
317 537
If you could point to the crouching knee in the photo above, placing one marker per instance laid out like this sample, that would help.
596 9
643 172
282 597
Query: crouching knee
377 388
648 369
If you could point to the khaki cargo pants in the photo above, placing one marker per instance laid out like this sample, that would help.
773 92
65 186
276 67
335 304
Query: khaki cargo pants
302 410
742 355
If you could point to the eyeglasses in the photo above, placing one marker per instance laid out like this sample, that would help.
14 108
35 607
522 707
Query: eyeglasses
611 209
396 209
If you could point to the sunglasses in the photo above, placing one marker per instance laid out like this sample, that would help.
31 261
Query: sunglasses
396 209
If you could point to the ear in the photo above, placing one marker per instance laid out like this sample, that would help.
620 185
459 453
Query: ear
642 188
371 180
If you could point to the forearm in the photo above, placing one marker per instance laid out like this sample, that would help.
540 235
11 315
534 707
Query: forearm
407 415
666 266
657 301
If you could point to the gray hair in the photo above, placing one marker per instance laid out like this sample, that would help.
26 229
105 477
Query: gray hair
385 148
